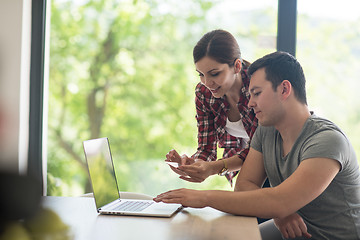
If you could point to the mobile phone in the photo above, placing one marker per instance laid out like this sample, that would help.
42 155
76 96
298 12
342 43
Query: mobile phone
173 164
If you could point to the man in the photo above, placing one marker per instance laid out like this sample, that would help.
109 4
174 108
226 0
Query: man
310 163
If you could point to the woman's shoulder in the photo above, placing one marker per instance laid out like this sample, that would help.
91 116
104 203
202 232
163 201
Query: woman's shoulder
204 98
202 91
200 87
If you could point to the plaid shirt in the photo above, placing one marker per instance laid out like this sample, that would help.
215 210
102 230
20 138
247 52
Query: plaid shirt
211 116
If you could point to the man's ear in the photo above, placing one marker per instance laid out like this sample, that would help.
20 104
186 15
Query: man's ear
286 89
237 65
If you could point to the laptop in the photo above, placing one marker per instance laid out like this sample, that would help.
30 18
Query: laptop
105 187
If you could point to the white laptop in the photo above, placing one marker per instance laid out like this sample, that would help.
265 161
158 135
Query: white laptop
105 187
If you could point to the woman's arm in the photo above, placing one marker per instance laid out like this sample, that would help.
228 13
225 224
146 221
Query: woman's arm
207 138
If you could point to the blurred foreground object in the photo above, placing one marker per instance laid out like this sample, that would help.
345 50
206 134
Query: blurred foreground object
44 225
21 214
15 231
46 221
20 197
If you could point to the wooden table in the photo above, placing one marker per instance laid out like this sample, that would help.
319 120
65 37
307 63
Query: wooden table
189 224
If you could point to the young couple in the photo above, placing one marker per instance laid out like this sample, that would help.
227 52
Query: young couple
310 163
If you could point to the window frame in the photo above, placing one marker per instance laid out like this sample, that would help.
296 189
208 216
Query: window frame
36 97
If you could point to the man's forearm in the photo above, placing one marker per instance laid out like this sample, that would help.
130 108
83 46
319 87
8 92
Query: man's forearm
260 203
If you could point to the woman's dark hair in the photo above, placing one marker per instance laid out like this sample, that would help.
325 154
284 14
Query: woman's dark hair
219 45
280 66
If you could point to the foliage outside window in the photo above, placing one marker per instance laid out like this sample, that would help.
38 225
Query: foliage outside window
328 48
124 70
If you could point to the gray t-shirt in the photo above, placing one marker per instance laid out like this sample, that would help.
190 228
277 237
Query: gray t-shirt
335 214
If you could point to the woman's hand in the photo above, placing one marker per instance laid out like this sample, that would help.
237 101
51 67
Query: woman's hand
198 171
173 156
292 226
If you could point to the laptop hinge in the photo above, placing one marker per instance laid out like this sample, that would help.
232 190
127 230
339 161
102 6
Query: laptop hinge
110 205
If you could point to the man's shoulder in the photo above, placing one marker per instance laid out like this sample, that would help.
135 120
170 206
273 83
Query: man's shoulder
322 138
320 125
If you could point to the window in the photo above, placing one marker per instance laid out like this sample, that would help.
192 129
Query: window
328 48
123 70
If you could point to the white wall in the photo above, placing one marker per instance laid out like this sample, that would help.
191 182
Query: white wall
15 35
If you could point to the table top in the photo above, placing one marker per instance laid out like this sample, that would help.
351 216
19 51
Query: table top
190 223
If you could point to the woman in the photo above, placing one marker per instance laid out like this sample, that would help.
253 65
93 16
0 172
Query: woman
223 117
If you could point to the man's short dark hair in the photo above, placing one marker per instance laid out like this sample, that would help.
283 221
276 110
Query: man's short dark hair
280 66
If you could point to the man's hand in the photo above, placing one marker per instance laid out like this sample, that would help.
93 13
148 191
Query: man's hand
186 197
292 226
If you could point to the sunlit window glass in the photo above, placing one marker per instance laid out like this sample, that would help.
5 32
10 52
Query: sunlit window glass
124 70
328 48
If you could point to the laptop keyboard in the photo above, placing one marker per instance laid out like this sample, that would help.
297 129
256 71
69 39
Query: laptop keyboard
133 206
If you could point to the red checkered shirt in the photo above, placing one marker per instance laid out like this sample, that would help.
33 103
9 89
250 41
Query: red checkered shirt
211 116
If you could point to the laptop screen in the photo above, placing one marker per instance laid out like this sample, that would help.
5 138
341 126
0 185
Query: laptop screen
101 171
